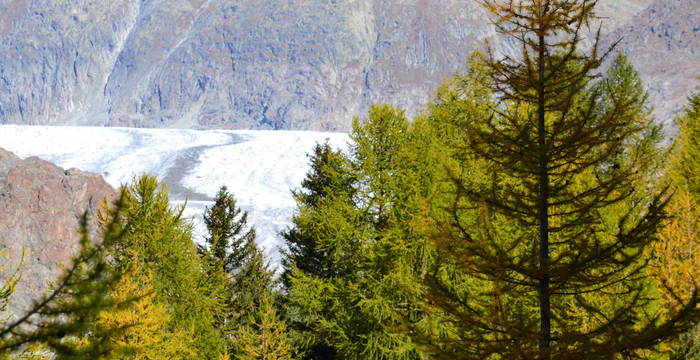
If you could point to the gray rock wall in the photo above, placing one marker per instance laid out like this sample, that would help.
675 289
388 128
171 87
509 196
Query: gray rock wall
273 64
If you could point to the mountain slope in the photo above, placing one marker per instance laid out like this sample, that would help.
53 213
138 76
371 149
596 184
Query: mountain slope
663 42
256 64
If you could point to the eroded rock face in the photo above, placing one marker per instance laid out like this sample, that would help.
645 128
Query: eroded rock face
279 64
40 208
663 42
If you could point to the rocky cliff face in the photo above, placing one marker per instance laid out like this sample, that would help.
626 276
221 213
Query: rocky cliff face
40 207
663 41
301 64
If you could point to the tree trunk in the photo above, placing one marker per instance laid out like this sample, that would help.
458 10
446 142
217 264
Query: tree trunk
543 211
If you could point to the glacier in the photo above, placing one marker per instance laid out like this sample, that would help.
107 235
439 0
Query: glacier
259 167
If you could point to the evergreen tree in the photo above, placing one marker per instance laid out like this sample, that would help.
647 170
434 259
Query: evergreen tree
265 337
249 285
163 240
363 233
329 175
550 220
237 265
228 234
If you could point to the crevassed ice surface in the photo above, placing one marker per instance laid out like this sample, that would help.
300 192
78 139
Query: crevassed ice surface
259 167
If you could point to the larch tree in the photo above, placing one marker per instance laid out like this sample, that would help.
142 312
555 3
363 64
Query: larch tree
361 226
550 222
135 326
265 336
163 240
676 261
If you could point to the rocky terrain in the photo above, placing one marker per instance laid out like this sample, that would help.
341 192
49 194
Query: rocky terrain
279 64
664 43
40 207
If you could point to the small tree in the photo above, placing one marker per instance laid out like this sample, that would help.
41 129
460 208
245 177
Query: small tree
234 258
265 336
135 326
228 233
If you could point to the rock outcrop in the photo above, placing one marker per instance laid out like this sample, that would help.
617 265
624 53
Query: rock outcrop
40 208
277 64
663 42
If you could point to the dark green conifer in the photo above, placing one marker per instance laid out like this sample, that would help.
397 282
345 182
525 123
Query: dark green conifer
228 235
329 176
365 236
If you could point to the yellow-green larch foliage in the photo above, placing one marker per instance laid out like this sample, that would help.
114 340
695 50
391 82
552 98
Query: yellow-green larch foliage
554 204
136 326
9 279
676 256
265 337
56 321
162 238
685 162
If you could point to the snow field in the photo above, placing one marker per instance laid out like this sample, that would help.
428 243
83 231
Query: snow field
259 167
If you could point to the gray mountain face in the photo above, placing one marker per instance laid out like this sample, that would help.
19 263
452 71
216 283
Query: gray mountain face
278 64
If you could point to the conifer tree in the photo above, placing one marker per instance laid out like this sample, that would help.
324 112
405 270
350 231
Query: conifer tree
135 326
228 232
163 240
249 285
329 175
676 262
366 240
265 336
550 221
236 265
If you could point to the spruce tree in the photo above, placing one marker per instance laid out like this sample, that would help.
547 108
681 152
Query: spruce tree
551 218
237 266
252 280
329 175
228 235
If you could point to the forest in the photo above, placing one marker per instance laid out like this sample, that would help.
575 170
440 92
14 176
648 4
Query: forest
532 210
